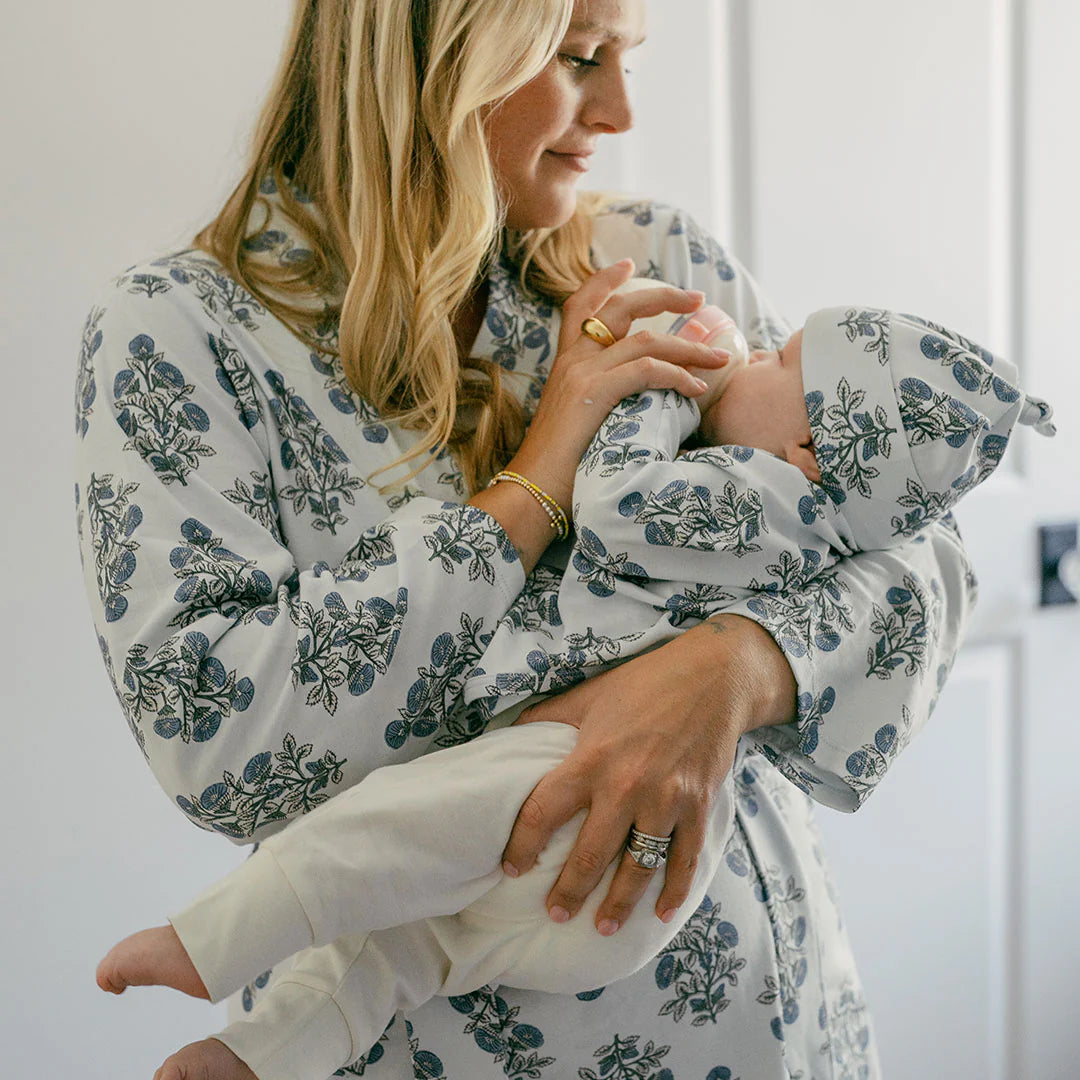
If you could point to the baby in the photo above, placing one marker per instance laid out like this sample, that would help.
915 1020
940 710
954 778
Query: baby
864 428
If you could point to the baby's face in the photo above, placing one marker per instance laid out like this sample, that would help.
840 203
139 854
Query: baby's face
764 406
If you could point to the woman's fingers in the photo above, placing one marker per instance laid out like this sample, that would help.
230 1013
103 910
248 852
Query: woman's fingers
590 298
629 884
644 373
551 804
620 312
668 347
686 846
598 844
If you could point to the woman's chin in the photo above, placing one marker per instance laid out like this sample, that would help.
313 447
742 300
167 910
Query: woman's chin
549 212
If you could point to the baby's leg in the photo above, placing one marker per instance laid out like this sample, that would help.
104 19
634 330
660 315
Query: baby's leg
410 841
335 1001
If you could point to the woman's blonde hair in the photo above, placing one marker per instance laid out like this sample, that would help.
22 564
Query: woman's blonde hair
375 119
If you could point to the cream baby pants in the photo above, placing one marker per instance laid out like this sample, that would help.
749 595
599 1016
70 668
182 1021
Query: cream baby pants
392 892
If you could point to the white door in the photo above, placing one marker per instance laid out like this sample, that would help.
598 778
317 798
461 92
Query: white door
924 156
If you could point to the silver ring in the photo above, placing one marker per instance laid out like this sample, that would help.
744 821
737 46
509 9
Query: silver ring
648 851
637 836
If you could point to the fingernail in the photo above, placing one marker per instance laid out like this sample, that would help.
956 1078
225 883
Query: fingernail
607 927
701 385
668 915
510 870
722 353
559 914
696 294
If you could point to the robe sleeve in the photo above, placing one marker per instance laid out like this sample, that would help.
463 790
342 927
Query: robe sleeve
870 640
255 685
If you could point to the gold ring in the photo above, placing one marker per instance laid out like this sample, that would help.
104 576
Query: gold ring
594 328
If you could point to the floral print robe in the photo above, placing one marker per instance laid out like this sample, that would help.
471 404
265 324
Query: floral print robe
266 618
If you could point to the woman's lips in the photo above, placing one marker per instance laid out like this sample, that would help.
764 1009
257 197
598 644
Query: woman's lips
577 162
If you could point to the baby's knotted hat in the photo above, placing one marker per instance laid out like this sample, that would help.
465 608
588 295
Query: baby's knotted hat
906 416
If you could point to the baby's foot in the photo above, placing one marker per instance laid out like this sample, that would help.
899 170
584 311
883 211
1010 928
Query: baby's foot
206 1060
152 957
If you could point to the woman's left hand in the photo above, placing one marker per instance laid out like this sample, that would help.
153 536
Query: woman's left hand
657 738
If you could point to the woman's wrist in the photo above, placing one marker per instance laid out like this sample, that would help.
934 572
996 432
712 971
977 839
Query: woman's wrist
521 516
755 672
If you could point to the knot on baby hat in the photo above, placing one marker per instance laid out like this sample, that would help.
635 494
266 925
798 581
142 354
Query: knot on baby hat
907 417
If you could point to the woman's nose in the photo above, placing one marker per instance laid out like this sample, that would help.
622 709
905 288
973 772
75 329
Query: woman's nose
608 109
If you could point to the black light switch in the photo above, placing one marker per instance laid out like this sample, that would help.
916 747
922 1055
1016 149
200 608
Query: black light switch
1058 554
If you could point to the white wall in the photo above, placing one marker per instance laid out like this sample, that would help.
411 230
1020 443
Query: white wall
121 127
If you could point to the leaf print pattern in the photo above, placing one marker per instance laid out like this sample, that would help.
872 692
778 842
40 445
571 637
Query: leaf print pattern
691 516
313 455
236 379
812 713
870 762
699 965
703 248
607 452
817 617
623 1059
849 1040
952 349
783 898
374 549
347 401
921 507
468 539
258 502
271 787
598 569
696 602
852 439
212 578
339 644
186 689
928 415
113 521
218 293
440 684
873 325
536 607
85 383
493 1024
155 411
148 284
903 632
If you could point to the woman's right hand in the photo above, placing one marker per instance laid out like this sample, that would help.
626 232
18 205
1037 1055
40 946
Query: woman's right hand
587 379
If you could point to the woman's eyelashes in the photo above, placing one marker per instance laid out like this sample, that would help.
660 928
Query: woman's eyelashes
581 63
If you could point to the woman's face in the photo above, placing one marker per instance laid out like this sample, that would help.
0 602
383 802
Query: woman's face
541 136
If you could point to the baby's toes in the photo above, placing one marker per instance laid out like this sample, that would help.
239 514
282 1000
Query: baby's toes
110 976
205 1060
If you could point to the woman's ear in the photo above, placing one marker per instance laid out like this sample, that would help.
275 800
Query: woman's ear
802 457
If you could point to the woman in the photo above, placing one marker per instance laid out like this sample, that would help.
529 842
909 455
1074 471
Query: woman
377 304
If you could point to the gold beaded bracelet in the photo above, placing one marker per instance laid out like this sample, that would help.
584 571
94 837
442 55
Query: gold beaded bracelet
554 511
